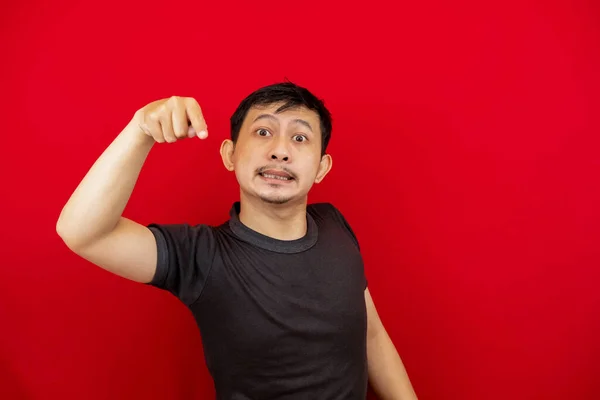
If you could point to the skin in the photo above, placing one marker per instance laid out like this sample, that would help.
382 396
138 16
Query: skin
288 142
91 223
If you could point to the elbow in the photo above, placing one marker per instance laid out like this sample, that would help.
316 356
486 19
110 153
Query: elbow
68 234
62 228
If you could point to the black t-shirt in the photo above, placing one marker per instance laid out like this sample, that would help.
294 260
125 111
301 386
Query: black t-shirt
278 319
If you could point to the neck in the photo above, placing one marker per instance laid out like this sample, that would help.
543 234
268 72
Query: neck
278 221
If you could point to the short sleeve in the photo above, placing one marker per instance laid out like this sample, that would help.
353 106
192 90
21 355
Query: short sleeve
345 225
185 256
339 217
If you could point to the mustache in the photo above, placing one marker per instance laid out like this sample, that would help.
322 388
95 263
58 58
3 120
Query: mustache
276 168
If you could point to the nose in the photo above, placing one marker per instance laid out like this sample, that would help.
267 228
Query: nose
279 150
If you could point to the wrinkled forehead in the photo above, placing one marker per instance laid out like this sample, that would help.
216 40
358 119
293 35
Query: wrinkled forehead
277 113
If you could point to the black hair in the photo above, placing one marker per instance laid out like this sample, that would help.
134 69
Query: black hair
291 95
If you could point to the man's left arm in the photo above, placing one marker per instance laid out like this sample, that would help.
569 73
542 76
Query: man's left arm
387 375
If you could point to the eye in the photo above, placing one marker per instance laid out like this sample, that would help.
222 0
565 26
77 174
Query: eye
262 132
300 138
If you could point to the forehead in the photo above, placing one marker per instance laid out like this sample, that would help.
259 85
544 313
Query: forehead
291 113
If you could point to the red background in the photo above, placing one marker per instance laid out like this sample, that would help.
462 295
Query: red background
465 151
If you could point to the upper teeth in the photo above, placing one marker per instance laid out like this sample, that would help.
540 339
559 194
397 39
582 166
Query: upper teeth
283 178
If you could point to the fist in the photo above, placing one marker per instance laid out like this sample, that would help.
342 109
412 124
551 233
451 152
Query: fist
172 119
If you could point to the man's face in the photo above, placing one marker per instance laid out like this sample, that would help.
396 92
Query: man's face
277 157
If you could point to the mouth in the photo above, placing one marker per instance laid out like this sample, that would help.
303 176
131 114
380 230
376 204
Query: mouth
276 175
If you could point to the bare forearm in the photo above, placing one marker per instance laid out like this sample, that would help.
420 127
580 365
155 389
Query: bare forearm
96 205
387 374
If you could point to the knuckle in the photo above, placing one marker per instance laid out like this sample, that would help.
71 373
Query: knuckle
139 114
192 101
153 117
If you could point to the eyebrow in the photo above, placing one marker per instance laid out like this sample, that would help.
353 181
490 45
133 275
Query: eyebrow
272 118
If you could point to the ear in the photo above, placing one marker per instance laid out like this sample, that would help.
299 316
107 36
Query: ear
227 148
324 168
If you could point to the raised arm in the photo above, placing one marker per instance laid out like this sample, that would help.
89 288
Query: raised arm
91 223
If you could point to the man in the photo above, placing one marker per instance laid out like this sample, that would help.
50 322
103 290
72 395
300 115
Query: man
278 291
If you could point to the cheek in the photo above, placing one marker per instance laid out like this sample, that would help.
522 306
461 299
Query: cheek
314 163
245 165
311 167
242 157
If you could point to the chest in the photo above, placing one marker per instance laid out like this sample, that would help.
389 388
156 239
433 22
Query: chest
261 303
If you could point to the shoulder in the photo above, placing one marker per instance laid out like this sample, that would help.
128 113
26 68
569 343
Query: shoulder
324 210
320 209
324 213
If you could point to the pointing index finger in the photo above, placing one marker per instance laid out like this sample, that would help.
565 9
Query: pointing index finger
198 124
